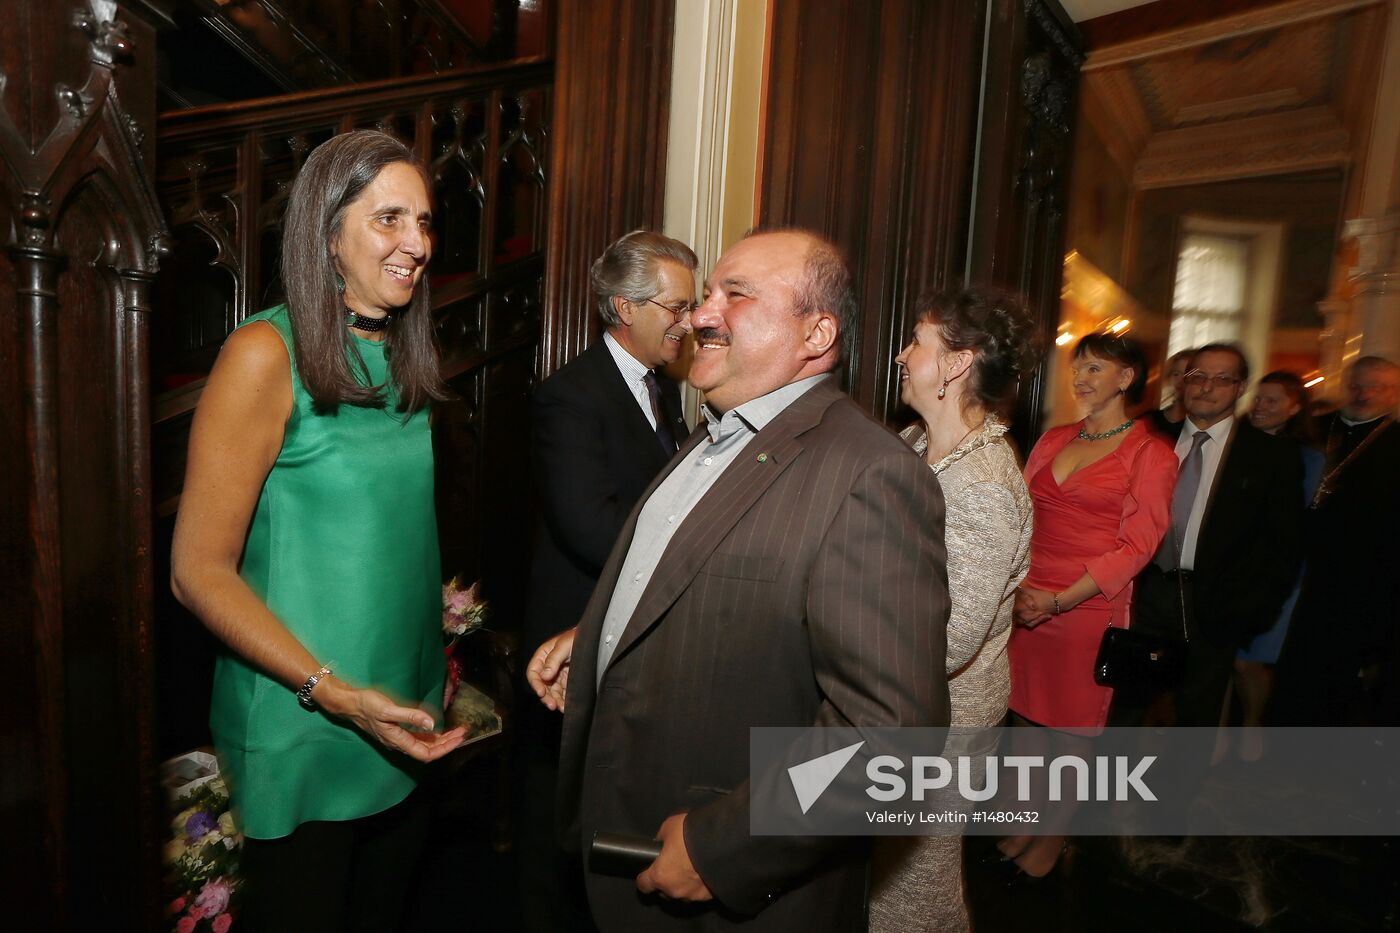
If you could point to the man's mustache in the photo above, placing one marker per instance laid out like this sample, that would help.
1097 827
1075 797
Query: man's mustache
711 335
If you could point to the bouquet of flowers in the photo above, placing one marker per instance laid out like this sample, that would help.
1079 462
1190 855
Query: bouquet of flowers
463 612
201 861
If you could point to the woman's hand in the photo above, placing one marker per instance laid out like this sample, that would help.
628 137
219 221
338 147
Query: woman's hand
377 716
1033 606
548 670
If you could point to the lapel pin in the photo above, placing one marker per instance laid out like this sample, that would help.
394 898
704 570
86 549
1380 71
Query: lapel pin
762 458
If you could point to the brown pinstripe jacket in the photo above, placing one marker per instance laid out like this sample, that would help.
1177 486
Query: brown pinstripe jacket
808 587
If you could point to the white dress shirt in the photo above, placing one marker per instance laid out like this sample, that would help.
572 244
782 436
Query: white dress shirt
1212 451
672 502
633 372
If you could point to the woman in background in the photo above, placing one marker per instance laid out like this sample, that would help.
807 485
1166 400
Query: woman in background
968 352
1281 407
1167 421
307 542
1102 490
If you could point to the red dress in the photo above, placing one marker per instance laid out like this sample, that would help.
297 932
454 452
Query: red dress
1107 519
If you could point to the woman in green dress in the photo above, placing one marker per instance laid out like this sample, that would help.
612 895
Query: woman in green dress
307 542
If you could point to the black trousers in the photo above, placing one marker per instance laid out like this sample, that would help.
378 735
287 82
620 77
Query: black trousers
1157 609
352 875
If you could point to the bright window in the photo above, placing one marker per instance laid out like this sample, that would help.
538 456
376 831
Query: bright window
1208 305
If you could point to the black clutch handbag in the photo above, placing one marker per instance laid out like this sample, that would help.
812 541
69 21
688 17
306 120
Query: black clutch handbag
1145 663
1139 662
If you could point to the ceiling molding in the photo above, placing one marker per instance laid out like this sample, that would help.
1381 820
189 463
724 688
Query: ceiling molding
1271 144
1240 24
1112 104
1356 84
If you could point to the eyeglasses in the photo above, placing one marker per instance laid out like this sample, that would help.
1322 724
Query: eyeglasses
1221 381
678 311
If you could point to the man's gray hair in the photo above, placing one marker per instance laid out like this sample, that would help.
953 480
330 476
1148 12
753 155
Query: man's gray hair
627 269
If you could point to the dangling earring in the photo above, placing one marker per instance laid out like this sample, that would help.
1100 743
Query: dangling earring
943 389
339 283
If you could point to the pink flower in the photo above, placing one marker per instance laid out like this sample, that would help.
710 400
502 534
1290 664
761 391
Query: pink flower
175 906
222 922
213 897
186 925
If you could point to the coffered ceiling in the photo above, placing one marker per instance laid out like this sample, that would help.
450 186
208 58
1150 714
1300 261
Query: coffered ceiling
1282 87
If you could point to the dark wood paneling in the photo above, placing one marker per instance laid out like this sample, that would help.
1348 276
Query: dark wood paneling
608 150
1018 229
85 240
869 138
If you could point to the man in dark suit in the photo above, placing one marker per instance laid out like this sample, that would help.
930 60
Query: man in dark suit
1236 536
788 570
597 433
1341 660
604 425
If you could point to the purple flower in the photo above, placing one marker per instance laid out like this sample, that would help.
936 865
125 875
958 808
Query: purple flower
200 825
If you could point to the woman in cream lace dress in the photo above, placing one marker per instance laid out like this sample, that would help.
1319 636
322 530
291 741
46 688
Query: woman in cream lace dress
967 354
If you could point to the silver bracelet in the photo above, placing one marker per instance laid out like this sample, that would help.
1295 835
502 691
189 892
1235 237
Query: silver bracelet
304 692
1056 598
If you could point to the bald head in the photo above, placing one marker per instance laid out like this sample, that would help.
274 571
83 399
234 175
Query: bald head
1373 389
772 316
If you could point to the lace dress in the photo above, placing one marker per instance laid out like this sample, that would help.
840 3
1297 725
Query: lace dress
918 883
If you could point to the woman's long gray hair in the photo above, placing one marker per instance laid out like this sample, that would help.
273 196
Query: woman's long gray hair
334 176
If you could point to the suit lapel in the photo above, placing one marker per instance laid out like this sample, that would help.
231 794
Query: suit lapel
1224 474
719 510
620 396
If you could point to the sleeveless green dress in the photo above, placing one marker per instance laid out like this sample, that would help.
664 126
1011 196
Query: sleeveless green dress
343 549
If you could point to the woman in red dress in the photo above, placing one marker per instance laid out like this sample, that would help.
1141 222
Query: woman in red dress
1101 490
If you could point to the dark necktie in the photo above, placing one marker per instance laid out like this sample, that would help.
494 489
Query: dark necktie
1183 498
658 412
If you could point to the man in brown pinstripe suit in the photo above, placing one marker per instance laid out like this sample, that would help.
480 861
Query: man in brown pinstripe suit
789 570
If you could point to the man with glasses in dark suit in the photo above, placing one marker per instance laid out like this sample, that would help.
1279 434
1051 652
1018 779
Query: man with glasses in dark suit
603 426
1235 541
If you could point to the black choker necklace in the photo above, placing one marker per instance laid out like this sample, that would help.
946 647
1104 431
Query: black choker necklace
370 325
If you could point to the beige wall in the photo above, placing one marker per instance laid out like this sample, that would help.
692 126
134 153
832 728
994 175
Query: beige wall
712 146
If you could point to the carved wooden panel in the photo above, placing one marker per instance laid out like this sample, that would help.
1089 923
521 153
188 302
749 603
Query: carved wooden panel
869 138
84 240
1018 234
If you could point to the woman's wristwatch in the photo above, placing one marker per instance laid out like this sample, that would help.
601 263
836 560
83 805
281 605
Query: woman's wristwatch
304 692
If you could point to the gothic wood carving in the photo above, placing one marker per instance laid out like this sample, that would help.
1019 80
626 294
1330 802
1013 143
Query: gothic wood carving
1023 169
85 238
